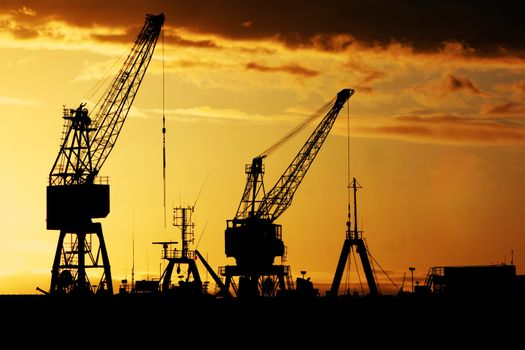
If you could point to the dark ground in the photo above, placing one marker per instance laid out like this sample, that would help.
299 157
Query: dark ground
406 320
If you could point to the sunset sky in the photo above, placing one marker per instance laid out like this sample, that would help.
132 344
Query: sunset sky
437 126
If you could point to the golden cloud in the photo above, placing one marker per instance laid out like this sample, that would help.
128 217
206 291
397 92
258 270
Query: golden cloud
443 129
509 108
26 11
391 79
516 88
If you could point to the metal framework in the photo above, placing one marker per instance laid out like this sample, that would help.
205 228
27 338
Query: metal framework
252 237
354 239
189 280
75 195
264 282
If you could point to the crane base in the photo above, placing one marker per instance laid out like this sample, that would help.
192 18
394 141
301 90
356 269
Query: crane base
269 281
77 252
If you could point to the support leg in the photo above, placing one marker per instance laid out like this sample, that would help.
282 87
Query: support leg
56 263
105 259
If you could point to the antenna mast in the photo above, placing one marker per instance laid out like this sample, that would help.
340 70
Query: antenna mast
133 254
163 132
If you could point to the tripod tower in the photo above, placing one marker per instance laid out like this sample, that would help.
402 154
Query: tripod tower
354 238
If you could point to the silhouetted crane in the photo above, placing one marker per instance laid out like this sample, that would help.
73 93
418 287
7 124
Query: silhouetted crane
75 194
252 237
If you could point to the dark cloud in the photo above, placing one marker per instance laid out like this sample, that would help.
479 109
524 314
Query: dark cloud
436 119
488 27
179 41
257 50
452 83
328 42
510 108
447 85
405 130
193 64
173 39
291 69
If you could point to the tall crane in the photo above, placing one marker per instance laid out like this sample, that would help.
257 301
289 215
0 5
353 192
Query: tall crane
252 237
76 194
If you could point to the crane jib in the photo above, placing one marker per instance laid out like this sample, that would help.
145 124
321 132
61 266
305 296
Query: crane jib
279 198
84 149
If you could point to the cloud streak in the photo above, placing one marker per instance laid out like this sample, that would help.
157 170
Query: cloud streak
170 38
516 88
509 108
15 101
445 129
209 114
293 69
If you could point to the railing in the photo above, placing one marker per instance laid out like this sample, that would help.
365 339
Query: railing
178 254
436 271
102 180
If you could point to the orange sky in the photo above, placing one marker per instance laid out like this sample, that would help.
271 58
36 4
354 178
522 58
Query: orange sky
437 127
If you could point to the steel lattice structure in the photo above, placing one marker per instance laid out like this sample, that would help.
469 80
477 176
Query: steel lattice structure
75 195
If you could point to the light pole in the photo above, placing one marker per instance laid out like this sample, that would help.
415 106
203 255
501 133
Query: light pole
412 272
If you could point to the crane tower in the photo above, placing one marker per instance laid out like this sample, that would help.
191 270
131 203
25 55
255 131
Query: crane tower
76 194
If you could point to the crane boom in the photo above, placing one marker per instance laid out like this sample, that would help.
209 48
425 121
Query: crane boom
279 198
88 141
